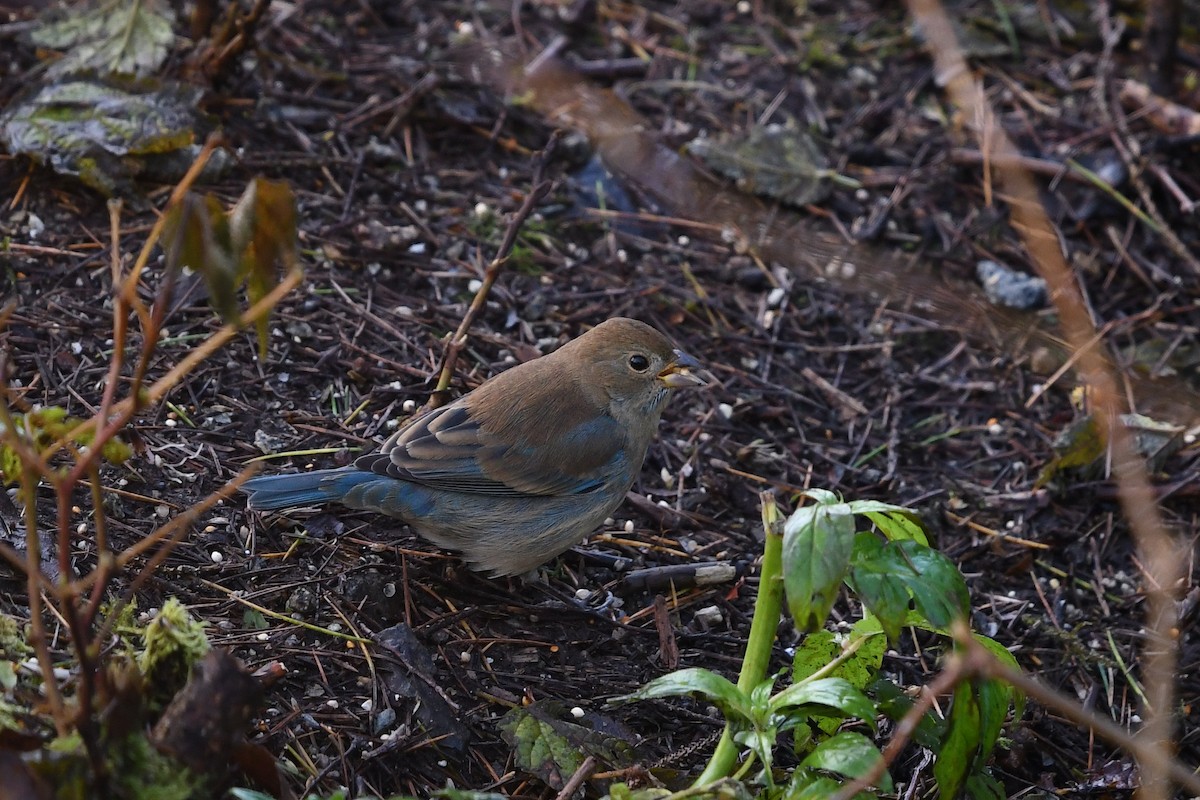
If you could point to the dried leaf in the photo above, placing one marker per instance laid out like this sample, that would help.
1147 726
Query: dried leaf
123 37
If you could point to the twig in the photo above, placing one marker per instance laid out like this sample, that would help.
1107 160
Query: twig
1136 495
577 778
958 668
456 343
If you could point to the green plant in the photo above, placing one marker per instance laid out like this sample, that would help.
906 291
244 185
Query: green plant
901 582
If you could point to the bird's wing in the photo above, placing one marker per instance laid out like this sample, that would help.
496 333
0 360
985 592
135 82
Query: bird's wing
449 448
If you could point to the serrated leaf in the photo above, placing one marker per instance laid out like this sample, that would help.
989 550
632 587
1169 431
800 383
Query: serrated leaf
850 755
831 693
124 37
713 687
959 745
817 544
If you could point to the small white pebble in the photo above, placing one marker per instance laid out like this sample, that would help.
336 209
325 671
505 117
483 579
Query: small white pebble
583 594
1055 583
776 296
464 657
577 712
409 406
262 636
482 209
744 7
171 423
629 526
216 557
684 241
609 522
667 478
331 703
162 511
474 285
367 704
81 529
995 429
725 410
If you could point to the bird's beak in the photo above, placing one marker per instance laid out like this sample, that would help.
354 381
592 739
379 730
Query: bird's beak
678 374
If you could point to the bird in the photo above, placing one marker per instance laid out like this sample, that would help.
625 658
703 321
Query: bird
523 467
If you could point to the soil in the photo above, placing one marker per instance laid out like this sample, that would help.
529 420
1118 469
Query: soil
818 384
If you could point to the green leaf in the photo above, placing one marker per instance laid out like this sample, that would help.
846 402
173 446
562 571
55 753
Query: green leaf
816 651
1008 659
451 793
850 755
806 786
538 748
817 544
891 700
896 523
875 580
822 497
254 620
834 693
937 586
982 786
960 744
107 132
994 698
821 647
734 704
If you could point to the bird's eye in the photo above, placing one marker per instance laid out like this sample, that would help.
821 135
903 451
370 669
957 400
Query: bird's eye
639 363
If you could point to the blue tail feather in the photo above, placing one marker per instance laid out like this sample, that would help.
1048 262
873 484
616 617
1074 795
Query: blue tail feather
270 492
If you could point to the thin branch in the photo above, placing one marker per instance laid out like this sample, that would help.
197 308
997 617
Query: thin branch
1136 495
456 343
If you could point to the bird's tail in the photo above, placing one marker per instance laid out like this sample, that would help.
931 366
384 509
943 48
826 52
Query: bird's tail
270 492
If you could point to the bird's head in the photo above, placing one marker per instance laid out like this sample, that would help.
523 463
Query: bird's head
634 365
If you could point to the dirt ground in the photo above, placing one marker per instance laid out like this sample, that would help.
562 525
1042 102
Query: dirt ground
820 383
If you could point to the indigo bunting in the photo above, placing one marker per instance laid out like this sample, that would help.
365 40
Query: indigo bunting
523 467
